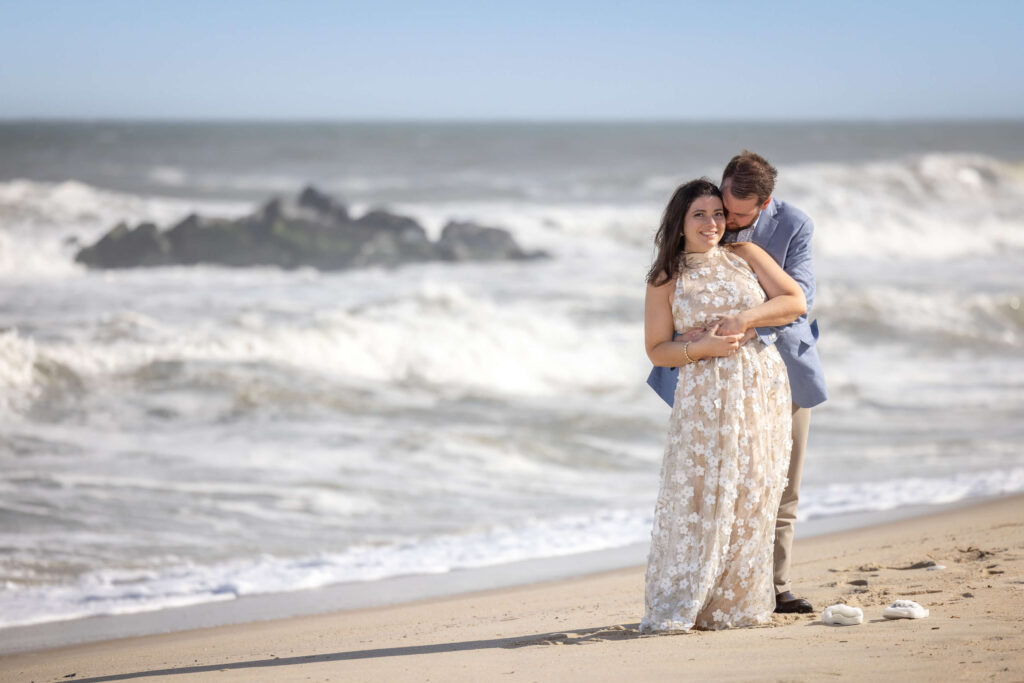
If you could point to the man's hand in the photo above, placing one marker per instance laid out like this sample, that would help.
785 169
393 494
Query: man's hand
732 325
748 335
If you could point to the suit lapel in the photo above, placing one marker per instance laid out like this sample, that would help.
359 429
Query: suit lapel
766 226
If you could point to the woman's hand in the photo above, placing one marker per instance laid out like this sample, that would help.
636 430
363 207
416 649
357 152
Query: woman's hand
715 345
691 335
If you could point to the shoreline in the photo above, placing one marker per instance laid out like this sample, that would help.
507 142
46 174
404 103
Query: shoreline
534 633
405 589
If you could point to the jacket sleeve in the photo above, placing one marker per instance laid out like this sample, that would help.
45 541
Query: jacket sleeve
799 264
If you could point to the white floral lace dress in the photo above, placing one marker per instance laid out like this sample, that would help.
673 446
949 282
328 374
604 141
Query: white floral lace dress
724 469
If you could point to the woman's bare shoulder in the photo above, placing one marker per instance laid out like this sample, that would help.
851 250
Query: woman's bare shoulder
663 289
748 251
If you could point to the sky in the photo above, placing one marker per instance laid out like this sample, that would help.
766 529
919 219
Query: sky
322 60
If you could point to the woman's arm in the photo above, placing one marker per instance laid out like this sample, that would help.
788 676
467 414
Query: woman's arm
659 331
786 300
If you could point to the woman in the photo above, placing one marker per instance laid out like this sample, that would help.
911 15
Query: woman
729 437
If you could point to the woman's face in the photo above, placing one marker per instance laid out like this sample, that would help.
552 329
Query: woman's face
704 224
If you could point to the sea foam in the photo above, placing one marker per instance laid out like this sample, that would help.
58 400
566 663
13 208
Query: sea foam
125 591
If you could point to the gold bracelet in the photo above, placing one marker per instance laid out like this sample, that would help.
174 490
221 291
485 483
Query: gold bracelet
686 348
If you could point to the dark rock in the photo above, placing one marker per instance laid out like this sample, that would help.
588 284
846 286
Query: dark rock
124 247
379 219
314 230
392 239
271 211
199 240
314 199
470 242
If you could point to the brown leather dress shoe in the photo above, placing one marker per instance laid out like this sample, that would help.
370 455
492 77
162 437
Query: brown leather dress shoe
787 603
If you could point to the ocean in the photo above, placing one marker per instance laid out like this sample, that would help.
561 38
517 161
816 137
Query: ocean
182 435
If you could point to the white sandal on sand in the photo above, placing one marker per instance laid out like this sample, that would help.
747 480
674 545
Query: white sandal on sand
842 615
905 609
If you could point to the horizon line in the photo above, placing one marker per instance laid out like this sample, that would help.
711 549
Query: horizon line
509 120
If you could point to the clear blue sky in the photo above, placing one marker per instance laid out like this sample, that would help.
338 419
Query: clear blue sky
310 59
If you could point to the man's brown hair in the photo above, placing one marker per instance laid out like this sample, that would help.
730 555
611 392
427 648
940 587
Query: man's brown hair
751 176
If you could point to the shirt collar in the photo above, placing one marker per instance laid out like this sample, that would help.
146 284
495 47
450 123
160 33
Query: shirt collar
744 234
753 226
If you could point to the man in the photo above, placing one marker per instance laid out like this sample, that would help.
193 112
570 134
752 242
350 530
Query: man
753 215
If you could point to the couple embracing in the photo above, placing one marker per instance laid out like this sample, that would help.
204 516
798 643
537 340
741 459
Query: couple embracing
726 327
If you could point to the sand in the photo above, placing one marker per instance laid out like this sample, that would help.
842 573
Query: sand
584 629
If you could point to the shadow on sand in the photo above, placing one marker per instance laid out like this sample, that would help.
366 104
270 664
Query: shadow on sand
577 637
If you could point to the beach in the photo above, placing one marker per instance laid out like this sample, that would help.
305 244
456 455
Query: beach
963 564
190 435
203 446
326 350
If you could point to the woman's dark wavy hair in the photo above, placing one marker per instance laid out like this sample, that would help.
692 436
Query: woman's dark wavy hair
669 238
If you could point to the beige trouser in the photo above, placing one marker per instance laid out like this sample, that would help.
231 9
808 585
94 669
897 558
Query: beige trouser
790 497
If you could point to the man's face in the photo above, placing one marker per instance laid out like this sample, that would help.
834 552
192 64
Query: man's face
740 213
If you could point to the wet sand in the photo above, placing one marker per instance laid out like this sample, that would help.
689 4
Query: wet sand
584 629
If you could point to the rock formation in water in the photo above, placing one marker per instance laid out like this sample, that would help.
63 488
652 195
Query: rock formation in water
313 230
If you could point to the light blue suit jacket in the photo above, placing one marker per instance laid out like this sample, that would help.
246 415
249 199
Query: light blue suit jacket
784 232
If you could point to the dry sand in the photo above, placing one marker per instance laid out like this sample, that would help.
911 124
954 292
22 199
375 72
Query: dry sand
584 629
